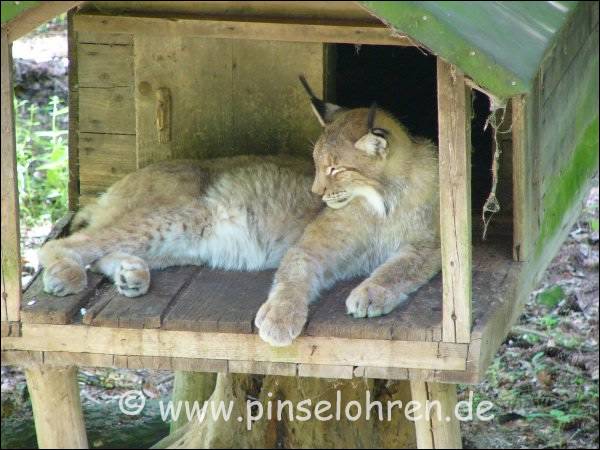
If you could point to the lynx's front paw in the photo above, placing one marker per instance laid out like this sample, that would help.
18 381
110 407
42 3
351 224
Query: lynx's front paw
64 277
369 299
279 323
132 277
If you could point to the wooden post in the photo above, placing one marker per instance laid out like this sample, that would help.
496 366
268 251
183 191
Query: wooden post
73 190
454 119
521 174
11 260
56 407
437 426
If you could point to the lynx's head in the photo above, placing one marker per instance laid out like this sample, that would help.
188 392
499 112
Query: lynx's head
355 152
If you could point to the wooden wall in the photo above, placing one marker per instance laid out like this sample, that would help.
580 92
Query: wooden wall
562 135
228 97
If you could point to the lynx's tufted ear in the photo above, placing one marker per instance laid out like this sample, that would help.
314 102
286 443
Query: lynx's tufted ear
323 110
374 143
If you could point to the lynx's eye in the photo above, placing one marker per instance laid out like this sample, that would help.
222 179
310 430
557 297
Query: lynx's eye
331 171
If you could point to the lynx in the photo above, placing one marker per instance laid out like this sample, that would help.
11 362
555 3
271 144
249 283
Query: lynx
371 210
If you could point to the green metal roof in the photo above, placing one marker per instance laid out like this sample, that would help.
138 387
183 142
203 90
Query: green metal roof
498 44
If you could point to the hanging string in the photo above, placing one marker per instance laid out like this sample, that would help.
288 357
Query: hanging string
492 205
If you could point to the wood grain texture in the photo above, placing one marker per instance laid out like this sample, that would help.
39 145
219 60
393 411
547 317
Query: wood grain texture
198 73
226 28
56 407
111 39
146 311
222 102
220 301
342 10
104 159
106 110
272 113
40 307
73 148
423 429
419 319
102 65
522 215
454 121
232 346
204 300
445 427
263 368
10 274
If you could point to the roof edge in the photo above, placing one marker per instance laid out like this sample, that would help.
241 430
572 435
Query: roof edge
425 28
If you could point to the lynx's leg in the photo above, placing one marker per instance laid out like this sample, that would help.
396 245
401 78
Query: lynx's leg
130 273
312 264
146 239
389 285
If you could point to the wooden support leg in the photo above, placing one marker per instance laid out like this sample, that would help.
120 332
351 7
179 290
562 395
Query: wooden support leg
437 426
56 407
10 257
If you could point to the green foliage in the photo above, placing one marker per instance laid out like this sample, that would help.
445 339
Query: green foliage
551 297
42 161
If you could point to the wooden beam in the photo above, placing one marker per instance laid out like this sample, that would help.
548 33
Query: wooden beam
36 16
73 148
454 119
521 172
233 346
56 407
437 425
10 240
423 431
291 31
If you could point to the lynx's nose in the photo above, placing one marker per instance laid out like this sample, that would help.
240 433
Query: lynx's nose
318 187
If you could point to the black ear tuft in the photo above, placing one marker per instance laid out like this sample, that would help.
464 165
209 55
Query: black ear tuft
371 116
381 132
324 111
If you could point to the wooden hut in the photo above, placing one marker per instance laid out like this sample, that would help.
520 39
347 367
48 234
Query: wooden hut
154 80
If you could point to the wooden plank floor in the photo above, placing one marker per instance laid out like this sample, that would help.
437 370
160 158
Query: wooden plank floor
199 299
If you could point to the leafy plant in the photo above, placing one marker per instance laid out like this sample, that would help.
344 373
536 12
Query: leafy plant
551 297
42 161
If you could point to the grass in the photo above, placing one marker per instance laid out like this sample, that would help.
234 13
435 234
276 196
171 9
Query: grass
42 161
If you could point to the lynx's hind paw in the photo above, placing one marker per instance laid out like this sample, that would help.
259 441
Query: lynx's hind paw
64 277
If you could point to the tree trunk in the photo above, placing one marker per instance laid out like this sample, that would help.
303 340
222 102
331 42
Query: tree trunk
190 387
397 432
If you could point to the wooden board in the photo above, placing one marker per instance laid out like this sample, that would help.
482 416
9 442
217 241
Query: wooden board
417 320
198 74
40 307
106 110
223 102
102 65
146 311
10 272
220 301
234 346
339 10
204 300
104 159
454 112
73 98
317 31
